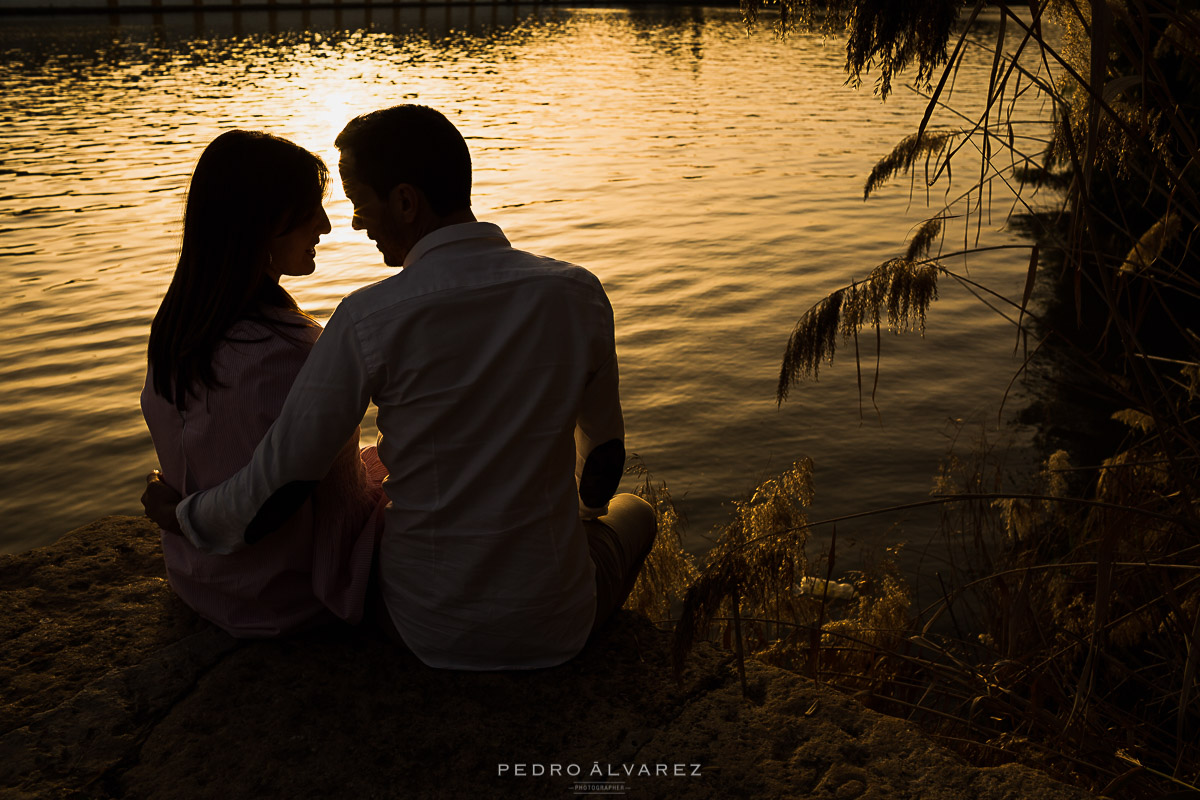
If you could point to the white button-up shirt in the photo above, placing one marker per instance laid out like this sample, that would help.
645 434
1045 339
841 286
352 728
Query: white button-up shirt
495 375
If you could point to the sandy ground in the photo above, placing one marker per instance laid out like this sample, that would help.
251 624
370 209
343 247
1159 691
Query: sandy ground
113 688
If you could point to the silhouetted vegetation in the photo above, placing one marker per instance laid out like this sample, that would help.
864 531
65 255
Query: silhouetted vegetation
1072 640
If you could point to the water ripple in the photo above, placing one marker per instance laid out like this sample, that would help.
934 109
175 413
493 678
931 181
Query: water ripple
713 182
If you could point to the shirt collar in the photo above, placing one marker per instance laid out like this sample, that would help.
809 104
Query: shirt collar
463 231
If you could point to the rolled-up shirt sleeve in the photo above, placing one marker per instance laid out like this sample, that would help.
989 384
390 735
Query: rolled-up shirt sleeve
322 410
600 430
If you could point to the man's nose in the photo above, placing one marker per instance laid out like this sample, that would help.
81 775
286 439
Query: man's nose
356 223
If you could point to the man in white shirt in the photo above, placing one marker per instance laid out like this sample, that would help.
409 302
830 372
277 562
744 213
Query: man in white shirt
495 375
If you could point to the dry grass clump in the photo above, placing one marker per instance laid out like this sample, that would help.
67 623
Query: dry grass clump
752 569
756 596
668 570
1117 121
1076 650
1086 631
849 644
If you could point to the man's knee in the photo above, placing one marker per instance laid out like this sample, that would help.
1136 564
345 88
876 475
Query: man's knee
637 517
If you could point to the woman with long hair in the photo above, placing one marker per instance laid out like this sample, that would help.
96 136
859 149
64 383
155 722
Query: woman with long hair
225 347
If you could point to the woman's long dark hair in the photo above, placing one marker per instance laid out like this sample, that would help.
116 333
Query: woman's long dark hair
248 187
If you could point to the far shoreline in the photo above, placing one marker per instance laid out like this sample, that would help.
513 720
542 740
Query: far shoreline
115 8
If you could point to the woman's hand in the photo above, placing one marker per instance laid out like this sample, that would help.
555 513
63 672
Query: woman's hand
160 500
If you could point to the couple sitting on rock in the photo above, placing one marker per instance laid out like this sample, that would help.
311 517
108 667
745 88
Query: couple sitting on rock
484 526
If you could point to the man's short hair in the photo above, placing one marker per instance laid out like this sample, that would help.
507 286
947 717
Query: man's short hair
415 145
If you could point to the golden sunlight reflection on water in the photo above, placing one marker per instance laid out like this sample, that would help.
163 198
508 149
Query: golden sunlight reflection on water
712 181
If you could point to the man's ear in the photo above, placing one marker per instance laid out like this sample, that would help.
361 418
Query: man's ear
405 201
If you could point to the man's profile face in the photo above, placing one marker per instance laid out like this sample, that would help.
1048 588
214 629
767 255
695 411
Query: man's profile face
371 213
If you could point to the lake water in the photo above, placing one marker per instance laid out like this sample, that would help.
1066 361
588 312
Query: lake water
711 179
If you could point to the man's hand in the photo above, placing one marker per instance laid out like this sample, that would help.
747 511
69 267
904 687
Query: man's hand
160 500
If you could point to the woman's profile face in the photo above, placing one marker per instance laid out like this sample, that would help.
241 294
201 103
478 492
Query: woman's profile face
293 253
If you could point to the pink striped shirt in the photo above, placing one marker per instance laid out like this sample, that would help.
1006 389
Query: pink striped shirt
316 567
